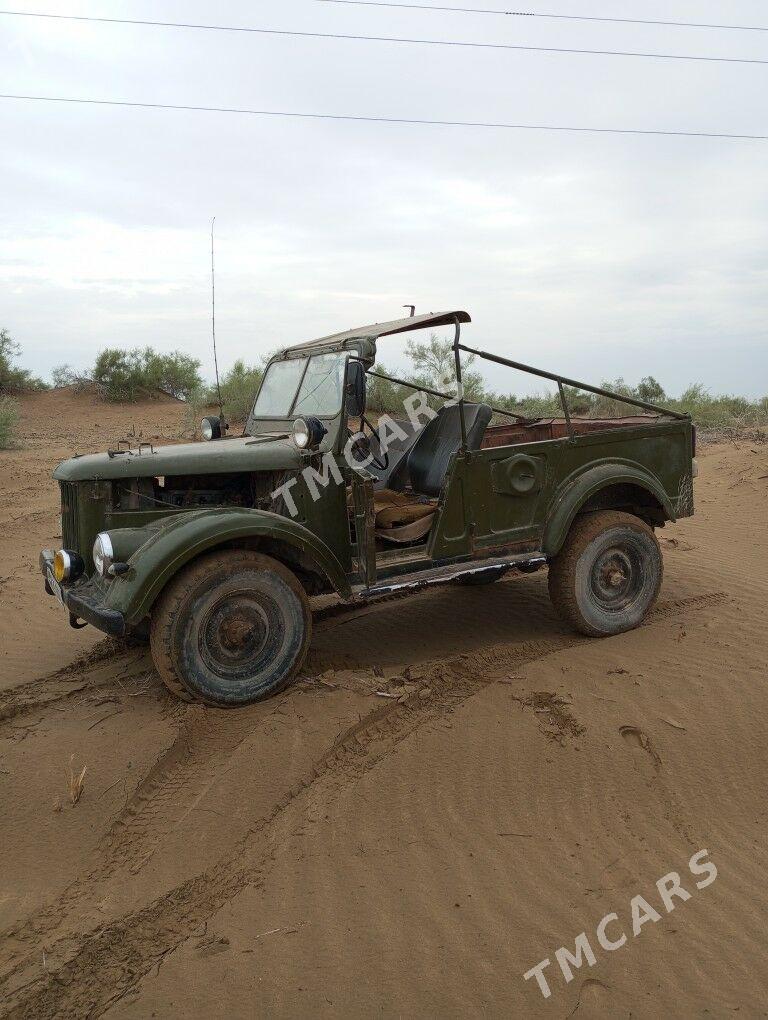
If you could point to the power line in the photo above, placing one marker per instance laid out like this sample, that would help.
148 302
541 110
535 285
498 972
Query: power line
388 39
388 120
539 14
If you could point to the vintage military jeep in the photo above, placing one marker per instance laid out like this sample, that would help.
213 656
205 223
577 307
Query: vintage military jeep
215 548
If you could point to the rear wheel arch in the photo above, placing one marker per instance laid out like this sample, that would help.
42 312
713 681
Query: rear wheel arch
607 487
629 497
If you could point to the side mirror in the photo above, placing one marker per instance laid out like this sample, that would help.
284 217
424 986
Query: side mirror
355 389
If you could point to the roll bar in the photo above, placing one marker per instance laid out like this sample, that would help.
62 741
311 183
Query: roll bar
561 380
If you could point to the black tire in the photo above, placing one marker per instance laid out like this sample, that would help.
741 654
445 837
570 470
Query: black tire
607 577
230 629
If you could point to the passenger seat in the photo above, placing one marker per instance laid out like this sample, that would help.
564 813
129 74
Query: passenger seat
438 441
407 517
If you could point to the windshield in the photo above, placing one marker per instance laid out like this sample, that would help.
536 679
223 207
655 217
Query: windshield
278 389
322 386
320 393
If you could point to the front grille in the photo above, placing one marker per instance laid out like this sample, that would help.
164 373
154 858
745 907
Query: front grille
70 537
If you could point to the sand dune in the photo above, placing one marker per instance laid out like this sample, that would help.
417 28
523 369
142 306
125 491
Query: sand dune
334 852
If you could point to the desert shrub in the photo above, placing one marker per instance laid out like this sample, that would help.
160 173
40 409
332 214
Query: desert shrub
8 418
126 376
239 387
651 390
721 411
435 367
65 375
238 390
383 396
174 373
12 379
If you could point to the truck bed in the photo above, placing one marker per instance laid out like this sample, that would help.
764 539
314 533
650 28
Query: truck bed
510 434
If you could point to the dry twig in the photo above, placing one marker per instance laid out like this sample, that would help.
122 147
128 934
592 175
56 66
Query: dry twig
75 783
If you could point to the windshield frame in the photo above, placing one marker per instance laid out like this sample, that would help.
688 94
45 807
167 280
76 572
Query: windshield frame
290 414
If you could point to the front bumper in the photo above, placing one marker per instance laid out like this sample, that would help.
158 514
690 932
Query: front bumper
82 601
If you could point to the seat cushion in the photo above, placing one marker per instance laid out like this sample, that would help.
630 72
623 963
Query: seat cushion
402 517
394 509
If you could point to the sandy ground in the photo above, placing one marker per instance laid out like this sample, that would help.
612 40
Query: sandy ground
335 853
53 426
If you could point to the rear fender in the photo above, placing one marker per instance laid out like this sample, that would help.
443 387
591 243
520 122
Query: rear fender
576 491
184 537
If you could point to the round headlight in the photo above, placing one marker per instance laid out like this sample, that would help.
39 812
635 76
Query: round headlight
210 428
61 565
67 565
301 434
308 432
103 554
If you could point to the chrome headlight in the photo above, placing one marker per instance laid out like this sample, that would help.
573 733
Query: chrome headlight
103 554
308 432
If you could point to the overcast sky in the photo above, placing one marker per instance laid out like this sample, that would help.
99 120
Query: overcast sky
592 255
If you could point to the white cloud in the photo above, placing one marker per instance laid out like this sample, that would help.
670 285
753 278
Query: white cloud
596 255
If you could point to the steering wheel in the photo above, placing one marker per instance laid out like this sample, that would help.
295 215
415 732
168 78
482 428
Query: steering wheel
363 445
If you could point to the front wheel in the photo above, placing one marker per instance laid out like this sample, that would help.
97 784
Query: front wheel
607 577
230 629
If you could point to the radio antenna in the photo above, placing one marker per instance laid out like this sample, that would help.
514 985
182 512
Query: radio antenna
213 325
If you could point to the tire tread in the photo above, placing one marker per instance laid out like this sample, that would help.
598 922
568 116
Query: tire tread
181 587
562 568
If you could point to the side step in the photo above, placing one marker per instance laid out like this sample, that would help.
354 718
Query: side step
439 575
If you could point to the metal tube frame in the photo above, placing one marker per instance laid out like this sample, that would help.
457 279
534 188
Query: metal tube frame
566 412
443 396
459 386
562 380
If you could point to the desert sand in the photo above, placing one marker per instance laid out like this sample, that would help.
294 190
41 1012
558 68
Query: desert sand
455 787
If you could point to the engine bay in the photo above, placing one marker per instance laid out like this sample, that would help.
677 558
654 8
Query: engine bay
189 492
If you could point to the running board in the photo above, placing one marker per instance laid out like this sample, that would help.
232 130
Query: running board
439 575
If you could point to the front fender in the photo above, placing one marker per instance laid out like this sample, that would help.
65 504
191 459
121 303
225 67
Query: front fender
575 492
183 537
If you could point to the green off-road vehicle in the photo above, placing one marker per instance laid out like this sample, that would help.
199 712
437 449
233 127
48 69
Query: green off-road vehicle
215 548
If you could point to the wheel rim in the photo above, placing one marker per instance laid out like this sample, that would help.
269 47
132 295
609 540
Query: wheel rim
617 578
239 634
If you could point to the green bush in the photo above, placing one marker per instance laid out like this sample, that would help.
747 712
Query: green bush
239 387
126 376
725 410
8 417
15 380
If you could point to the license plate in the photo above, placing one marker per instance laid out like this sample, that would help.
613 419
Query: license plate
54 585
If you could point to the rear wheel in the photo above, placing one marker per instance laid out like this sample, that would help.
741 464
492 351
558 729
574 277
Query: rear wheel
607 577
230 629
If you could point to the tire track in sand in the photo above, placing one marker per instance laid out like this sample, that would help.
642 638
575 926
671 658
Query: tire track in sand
104 962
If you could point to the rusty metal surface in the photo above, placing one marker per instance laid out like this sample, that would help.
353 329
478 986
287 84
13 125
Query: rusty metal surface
557 428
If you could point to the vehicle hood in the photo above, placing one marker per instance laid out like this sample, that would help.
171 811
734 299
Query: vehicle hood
219 456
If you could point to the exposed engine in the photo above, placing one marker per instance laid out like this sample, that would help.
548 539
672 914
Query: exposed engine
188 492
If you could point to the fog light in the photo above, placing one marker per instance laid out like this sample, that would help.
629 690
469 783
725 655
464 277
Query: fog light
67 565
